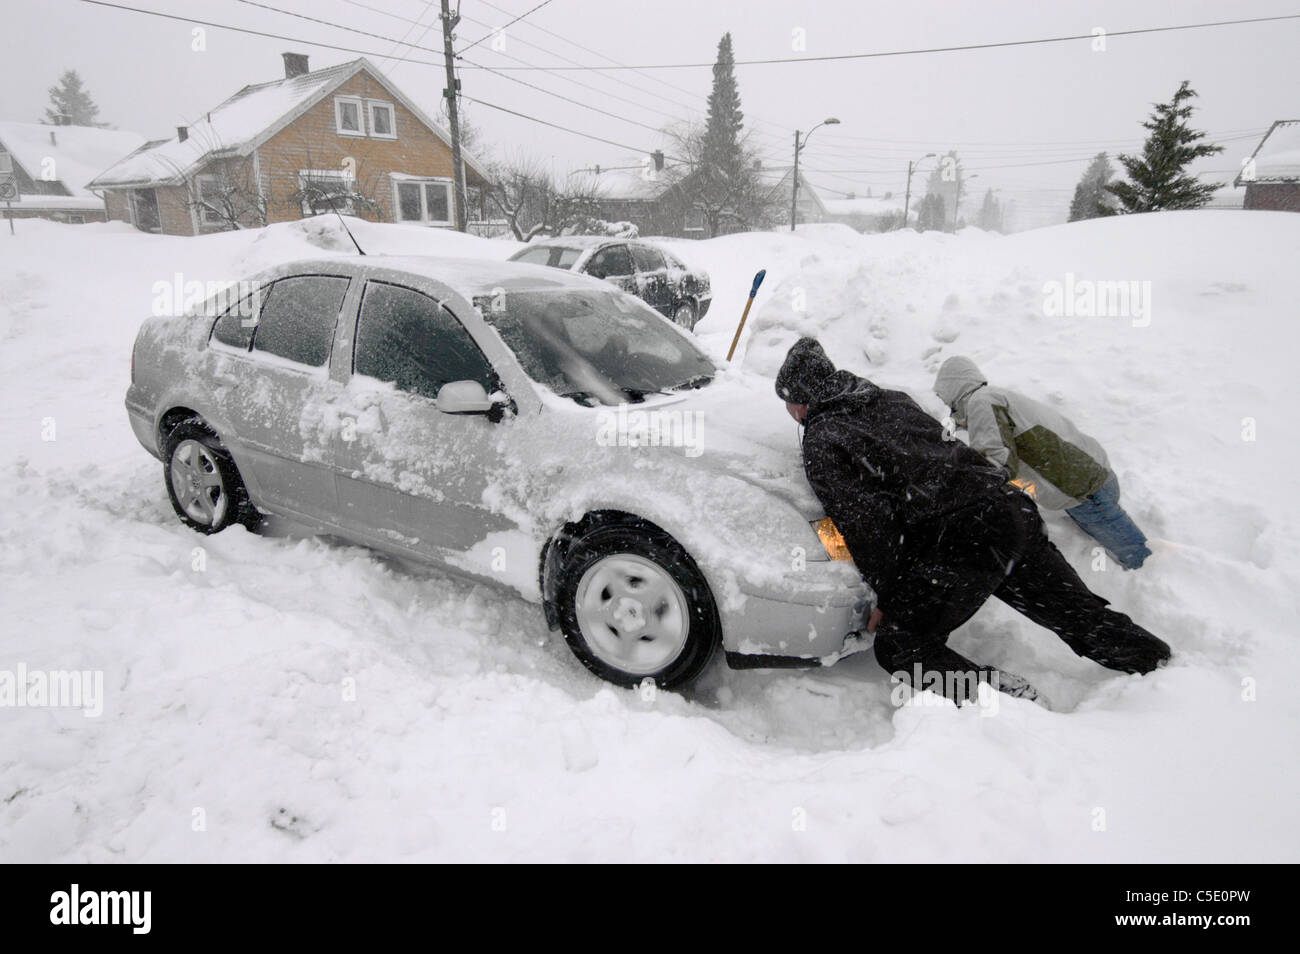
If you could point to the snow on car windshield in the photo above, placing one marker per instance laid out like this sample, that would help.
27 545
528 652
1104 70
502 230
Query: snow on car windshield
555 256
595 346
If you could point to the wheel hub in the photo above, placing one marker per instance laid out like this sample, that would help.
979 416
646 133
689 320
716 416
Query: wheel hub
632 614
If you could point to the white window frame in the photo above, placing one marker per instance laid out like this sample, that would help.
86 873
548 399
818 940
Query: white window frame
423 181
359 103
204 211
370 118
336 174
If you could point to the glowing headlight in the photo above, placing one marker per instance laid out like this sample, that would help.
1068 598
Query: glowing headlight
832 539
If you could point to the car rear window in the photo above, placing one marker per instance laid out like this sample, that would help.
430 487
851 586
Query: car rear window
556 256
298 318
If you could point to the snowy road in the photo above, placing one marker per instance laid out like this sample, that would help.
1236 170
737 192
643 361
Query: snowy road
289 698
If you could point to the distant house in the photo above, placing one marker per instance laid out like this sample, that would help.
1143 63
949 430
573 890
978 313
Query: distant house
809 205
53 164
869 213
340 138
1272 175
661 204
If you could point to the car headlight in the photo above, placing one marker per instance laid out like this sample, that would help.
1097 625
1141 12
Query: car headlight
832 539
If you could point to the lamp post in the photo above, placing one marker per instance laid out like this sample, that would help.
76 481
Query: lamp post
907 198
794 188
956 207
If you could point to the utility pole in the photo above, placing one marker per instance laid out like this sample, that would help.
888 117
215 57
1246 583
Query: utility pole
907 198
451 92
794 185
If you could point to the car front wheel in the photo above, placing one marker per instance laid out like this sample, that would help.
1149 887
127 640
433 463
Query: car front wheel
684 315
633 605
202 481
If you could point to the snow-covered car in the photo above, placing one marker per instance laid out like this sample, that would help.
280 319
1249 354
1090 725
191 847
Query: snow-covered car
644 269
515 424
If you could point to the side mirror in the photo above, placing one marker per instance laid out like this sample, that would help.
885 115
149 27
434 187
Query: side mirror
467 397
463 397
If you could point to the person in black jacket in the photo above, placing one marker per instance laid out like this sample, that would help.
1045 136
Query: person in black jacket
935 530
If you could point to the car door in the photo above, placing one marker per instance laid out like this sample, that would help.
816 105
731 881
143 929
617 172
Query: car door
269 372
652 278
408 475
613 263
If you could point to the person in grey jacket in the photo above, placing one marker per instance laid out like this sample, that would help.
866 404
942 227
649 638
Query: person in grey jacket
1049 458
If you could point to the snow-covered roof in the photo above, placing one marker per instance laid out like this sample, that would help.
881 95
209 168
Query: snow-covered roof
1277 157
629 184
243 122
77 152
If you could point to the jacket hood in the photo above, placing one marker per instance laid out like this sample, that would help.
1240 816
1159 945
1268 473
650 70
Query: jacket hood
957 378
806 374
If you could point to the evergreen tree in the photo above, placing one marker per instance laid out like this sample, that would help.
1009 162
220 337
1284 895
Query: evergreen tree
946 182
1091 198
990 217
70 103
725 185
931 213
1158 179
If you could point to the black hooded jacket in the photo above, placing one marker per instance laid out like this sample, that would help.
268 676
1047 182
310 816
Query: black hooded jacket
881 466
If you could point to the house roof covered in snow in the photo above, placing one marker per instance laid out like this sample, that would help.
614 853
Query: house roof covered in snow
864 205
246 120
630 184
1277 157
69 155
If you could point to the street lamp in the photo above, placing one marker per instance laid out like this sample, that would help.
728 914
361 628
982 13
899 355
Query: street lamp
907 199
794 189
956 207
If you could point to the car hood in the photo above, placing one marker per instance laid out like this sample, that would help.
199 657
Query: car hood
734 426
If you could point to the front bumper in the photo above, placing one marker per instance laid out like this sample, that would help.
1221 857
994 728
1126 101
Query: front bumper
767 632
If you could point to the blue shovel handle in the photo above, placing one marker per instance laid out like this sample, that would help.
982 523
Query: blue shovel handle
758 280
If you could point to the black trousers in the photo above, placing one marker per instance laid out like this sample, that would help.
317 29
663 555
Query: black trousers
1000 548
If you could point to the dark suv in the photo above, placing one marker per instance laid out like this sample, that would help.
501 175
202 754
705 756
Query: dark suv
648 271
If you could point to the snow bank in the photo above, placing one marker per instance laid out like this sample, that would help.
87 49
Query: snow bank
288 698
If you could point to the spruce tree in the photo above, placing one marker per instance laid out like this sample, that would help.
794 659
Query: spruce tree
1157 178
726 182
1091 199
70 103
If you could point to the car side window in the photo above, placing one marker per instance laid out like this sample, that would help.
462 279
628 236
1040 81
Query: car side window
298 318
648 259
407 338
235 326
610 262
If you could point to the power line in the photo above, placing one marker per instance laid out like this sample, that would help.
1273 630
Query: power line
337 26
511 23
933 49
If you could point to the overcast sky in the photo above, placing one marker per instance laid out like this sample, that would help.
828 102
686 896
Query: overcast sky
1025 118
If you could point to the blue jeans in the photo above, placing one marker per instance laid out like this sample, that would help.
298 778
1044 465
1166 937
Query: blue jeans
1103 519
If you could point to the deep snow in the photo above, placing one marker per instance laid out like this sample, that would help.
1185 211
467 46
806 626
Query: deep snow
475 735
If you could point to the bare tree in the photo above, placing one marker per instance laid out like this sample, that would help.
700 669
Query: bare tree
733 199
533 203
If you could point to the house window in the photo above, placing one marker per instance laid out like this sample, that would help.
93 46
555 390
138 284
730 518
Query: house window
325 190
383 124
694 221
210 203
422 200
347 116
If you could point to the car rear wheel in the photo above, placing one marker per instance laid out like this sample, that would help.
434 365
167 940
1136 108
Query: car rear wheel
202 481
684 315
633 605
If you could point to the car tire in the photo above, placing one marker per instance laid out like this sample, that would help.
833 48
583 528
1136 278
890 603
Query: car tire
633 606
202 481
684 314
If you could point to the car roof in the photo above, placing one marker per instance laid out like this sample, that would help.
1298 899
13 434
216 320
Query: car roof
467 276
576 241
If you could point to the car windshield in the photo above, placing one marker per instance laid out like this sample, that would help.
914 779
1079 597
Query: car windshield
556 256
596 346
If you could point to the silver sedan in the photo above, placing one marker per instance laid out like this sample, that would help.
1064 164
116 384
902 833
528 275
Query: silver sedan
515 424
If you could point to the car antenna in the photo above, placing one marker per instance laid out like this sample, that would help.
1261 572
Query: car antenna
330 199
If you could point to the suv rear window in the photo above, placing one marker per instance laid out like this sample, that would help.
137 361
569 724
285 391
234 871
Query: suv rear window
298 318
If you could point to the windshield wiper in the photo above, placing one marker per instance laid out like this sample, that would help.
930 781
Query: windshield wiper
696 382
